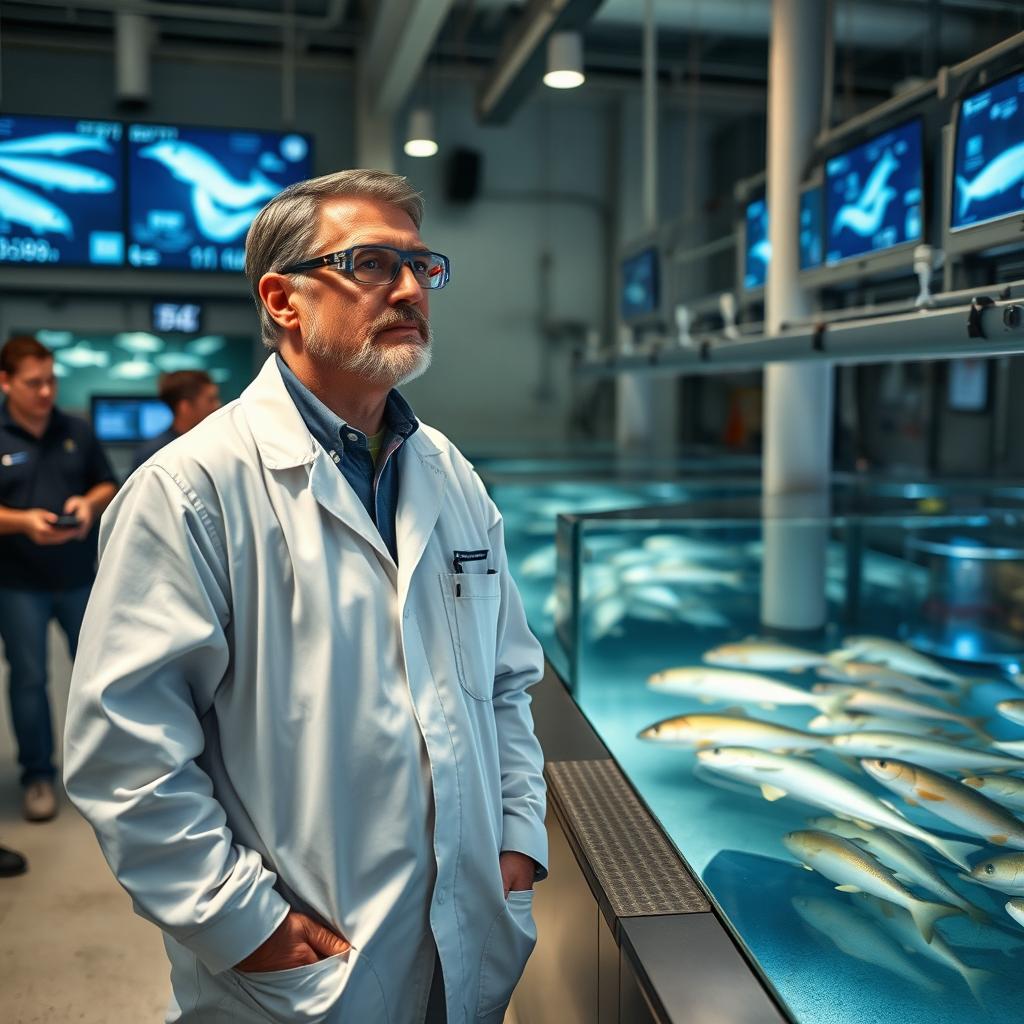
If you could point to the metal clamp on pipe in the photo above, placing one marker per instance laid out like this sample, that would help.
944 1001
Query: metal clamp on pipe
975 328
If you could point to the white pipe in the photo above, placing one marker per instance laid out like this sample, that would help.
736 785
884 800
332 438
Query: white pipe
132 41
798 399
650 180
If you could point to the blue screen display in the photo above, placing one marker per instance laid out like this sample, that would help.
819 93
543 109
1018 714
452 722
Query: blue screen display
127 419
195 191
873 194
640 287
810 227
988 164
60 191
759 249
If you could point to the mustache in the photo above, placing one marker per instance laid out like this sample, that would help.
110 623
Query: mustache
397 317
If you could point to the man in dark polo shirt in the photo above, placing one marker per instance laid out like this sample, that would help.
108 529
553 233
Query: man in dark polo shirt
54 483
191 395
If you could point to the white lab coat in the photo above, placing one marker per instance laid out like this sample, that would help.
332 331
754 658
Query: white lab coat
265 711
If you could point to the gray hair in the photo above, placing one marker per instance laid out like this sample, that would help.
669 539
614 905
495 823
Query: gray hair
285 228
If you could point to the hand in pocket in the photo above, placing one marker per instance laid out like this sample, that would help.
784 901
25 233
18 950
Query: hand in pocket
297 942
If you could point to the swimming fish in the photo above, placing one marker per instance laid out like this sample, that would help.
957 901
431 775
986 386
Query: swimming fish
855 870
1015 908
198 169
883 677
901 926
910 867
56 144
53 174
1007 790
703 731
946 798
889 702
1013 747
858 937
765 655
1012 709
1005 873
859 721
689 573
216 224
20 206
940 755
779 775
882 650
996 177
719 684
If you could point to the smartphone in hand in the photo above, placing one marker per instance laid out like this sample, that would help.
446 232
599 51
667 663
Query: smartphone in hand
66 521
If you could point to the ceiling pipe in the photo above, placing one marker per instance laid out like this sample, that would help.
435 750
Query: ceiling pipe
133 37
333 16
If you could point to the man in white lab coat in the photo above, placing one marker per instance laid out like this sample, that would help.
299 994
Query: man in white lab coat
298 719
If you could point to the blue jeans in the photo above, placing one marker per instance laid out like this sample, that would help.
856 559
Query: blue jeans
24 618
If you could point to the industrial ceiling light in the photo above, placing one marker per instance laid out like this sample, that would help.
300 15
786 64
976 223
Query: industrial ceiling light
420 140
565 60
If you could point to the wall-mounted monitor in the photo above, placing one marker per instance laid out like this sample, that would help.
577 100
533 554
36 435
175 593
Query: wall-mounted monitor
128 419
193 192
640 298
985 184
177 317
757 249
874 195
812 200
61 191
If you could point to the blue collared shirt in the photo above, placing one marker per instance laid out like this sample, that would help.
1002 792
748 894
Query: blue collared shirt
376 487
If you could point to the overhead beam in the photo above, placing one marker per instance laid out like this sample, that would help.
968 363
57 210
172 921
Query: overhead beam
520 63
399 41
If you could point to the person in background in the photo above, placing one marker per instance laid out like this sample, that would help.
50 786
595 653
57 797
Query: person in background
191 395
54 483
299 722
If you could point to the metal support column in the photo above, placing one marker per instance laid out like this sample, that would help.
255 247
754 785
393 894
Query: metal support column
798 398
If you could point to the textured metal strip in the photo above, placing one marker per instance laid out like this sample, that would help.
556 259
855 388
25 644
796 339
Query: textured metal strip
636 866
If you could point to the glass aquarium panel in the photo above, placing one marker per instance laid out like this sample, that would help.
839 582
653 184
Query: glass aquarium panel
815 782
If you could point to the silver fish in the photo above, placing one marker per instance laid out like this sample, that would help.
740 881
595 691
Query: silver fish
1004 873
880 676
891 702
901 925
702 731
859 721
1015 908
1004 789
778 775
940 755
899 657
946 798
855 870
719 684
765 655
858 937
1012 709
910 867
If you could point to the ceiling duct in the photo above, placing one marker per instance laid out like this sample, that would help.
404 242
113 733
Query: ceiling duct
133 36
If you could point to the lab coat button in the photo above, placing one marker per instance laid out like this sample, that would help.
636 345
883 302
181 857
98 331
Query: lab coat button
353 437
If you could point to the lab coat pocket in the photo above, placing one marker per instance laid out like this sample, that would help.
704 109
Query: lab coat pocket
509 945
341 987
471 602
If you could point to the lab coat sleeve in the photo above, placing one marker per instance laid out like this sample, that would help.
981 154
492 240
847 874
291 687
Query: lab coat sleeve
153 651
519 663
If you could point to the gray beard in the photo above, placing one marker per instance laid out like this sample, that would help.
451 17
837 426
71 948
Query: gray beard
379 364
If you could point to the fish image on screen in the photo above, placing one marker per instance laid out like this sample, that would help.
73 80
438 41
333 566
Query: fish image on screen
193 192
759 249
640 288
60 191
810 228
988 163
873 194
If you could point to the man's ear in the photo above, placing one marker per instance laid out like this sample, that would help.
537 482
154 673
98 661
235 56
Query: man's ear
276 295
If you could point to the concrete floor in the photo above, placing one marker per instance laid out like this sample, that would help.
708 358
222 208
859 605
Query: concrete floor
71 949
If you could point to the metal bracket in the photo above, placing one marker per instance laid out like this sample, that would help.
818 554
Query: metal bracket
979 304
818 338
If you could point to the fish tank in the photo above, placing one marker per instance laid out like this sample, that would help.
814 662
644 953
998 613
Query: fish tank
848 796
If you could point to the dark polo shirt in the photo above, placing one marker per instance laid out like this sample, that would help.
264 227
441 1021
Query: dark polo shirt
43 473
